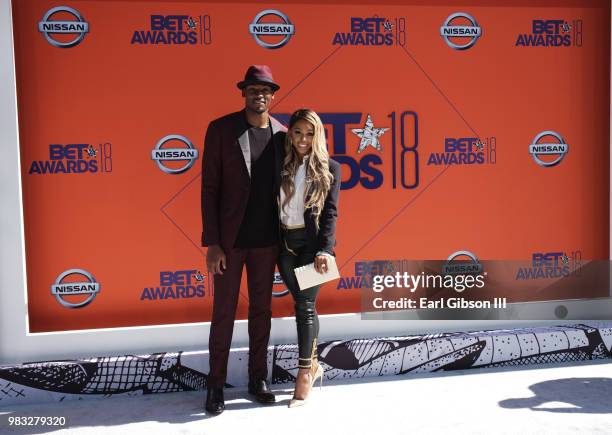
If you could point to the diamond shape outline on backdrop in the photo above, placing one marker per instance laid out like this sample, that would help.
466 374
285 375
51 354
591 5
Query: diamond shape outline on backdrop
401 210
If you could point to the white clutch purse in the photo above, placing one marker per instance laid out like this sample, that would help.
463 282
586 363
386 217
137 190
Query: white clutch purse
308 277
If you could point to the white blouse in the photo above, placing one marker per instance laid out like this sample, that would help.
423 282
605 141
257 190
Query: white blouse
292 213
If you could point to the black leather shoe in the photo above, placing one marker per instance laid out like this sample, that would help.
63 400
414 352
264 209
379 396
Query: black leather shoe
259 389
215 404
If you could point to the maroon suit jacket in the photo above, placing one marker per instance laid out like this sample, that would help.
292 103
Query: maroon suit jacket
226 168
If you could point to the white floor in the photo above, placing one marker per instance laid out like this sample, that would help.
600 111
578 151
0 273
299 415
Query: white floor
539 400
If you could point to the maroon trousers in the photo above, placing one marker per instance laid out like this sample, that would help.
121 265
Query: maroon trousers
260 264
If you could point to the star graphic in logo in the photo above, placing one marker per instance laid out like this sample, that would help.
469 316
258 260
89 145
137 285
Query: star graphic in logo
191 24
91 151
369 135
198 276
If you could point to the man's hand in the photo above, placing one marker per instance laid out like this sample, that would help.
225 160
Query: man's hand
215 260
321 263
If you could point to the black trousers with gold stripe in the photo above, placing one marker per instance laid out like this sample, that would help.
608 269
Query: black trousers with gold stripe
297 250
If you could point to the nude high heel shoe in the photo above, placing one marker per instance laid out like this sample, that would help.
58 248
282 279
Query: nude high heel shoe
314 374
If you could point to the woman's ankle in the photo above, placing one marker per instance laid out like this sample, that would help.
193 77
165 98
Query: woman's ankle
303 371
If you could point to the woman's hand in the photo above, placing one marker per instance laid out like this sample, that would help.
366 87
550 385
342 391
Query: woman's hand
321 263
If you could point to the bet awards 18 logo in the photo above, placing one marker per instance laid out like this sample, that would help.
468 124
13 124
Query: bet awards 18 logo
175 30
365 271
364 143
63 27
552 33
373 31
549 265
179 284
75 158
466 151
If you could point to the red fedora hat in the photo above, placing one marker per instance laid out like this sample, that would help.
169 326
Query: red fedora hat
258 75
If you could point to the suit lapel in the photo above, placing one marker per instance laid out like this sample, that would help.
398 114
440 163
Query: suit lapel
243 140
276 126
245 147
278 140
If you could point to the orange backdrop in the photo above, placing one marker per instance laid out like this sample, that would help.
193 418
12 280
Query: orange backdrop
123 87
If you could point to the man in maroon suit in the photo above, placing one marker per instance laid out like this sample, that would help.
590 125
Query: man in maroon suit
240 219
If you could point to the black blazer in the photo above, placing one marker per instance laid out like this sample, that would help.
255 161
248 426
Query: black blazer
325 237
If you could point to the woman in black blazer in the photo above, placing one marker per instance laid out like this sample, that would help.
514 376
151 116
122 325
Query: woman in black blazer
308 204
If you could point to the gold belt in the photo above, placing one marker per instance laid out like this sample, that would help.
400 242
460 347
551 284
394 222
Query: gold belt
292 227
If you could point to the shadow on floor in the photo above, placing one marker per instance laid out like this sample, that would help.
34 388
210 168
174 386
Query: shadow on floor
571 395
